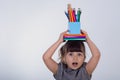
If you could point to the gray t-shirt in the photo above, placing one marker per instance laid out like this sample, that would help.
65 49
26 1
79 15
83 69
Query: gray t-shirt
65 73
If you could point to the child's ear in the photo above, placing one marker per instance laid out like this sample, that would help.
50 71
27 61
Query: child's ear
63 60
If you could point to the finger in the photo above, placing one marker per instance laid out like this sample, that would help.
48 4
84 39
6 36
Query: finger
65 31
83 31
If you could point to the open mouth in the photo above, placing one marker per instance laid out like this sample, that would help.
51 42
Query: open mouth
74 64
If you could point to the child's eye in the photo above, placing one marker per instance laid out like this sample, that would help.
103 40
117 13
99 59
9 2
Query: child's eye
70 54
79 54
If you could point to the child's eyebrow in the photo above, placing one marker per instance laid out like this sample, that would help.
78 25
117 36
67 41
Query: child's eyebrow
80 53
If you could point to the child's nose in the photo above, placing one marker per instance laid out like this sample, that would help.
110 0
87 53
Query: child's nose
75 57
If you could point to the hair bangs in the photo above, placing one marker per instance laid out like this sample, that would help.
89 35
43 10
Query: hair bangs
74 46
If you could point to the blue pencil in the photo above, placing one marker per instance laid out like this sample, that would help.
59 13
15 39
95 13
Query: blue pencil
67 15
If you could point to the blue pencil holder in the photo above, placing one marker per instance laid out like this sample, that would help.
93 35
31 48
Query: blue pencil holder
74 27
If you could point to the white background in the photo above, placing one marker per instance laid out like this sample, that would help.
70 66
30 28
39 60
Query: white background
29 27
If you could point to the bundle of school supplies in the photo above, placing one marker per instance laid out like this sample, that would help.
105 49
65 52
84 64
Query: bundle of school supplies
74 24
72 15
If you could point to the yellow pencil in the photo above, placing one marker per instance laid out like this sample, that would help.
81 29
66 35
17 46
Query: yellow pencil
70 13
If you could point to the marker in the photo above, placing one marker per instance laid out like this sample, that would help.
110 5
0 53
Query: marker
74 15
78 14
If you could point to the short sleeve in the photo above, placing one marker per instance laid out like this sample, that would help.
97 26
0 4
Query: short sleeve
58 74
84 71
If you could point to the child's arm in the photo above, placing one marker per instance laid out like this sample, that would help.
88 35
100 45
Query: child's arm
47 57
92 63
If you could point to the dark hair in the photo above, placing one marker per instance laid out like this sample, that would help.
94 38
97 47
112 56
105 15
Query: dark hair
72 46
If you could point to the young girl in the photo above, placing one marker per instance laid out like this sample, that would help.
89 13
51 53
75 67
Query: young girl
72 65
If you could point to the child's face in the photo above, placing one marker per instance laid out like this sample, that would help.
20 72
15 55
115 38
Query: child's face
74 60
